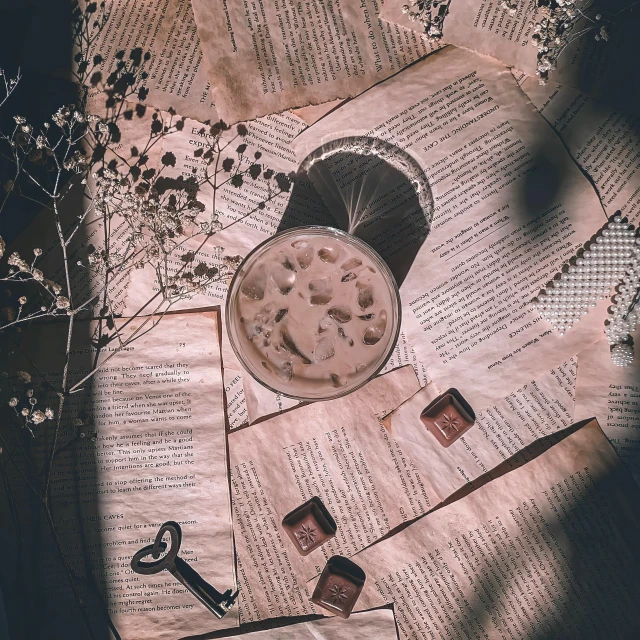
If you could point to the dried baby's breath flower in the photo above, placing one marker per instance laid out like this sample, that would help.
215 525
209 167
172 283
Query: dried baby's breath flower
232 262
13 402
25 412
24 376
16 261
37 275
49 413
430 14
62 302
37 417
22 300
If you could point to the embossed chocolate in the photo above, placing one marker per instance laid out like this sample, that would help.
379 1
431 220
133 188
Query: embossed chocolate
309 525
339 586
448 417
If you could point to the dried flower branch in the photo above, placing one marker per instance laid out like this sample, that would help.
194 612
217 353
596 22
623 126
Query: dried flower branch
430 14
150 216
559 23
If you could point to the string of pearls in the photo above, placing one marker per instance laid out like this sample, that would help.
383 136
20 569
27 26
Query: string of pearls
623 318
591 278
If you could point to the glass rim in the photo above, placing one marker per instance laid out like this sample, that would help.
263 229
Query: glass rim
348 238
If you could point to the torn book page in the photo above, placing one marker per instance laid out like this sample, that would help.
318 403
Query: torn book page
489 209
271 56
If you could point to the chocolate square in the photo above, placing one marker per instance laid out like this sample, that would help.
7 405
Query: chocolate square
309 525
448 417
339 586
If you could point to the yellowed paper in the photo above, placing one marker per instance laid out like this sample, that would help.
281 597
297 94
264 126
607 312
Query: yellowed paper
313 113
378 625
150 448
547 550
600 67
603 141
537 409
338 451
612 395
165 29
510 207
266 57
245 224
235 399
248 214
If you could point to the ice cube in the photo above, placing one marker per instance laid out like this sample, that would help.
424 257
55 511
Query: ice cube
285 371
338 381
367 316
324 325
281 314
365 295
329 254
325 349
351 264
374 334
284 278
253 329
304 253
321 291
360 367
266 315
289 345
340 314
348 277
286 261
255 283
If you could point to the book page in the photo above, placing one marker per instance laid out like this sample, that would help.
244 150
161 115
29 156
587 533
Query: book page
534 411
547 550
378 624
245 224
167 30
248 214
336 450
269 56
603 141
142 443
510 207
601 68
612 395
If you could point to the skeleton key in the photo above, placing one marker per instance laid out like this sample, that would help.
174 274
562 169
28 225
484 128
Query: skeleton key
216 602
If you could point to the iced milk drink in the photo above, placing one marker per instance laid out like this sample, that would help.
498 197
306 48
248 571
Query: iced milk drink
313 313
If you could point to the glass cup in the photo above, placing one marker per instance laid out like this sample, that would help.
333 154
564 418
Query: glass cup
313 313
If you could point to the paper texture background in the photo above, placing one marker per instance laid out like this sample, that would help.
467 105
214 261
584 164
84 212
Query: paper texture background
159 454
378 624
167 30
612 395
510 207
603 141
267 57
599 68
537 409
338 451
517 558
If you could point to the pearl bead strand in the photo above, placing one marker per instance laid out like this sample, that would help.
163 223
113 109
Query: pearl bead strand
592 277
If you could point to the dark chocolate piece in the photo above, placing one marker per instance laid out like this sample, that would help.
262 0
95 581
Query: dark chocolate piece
309 525
448 417
339 586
